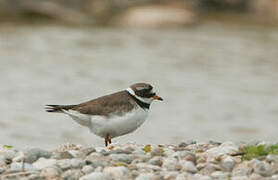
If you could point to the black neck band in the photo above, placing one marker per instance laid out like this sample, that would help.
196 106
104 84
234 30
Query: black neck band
140 103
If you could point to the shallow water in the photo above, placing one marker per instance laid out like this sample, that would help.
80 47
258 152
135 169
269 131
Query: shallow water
218 81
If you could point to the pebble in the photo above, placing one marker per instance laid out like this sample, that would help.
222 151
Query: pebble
72 174
227 164
87 169
96 176
34 154
242 169
262 168
219 175
44 163
117 172
157 161
170 164
50 173
121 157
188 166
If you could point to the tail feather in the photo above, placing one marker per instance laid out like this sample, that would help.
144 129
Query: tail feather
58 108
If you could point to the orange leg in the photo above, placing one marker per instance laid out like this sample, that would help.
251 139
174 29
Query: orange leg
107 139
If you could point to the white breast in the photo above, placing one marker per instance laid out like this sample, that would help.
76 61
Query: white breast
118 125
114 125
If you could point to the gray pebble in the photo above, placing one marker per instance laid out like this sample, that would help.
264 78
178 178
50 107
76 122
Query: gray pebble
34 154
121 157
157 160
262 168
87 169
119 172
219 175
188 166
96 176
227 164
72 174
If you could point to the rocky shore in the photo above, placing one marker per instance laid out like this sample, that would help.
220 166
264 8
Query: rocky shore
188 160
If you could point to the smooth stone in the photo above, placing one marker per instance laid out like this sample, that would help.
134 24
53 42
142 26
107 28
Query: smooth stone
62 155
148 166
120 151
77 163
171 175
87 151
34 154
188 166
242 169
157 161
256 176
210 168
272 158
240 178
121 157
216 143
146 176
2 170
64 164
262 168
224 148
183 176
228 164
18 166
50 173
219 175
180 155
72 174
42 163
170 164
96 176
87 169
117 172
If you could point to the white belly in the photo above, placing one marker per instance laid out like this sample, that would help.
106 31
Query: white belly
115 125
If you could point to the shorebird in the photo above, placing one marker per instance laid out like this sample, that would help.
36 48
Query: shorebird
112 115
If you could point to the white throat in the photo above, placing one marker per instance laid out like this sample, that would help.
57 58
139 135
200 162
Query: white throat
145 100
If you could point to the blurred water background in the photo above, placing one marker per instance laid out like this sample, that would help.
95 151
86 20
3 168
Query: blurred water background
216 70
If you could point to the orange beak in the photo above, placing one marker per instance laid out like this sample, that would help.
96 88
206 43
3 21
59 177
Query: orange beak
156 97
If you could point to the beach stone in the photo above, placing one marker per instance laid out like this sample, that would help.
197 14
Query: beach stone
224 148
42 163
256 176
210 168
148 166
242 169
35 153
219 175
171 175
121 157
96 176
77 163
240 178
262 168
87 169
72 174
183 176
157 161
188 166
170 164
117 172
50 173
272 158
227 164
2 170
18 166
64 164
62 155
146 176
201 177
120 151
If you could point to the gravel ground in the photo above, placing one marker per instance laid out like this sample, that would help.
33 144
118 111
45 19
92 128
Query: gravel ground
188 160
